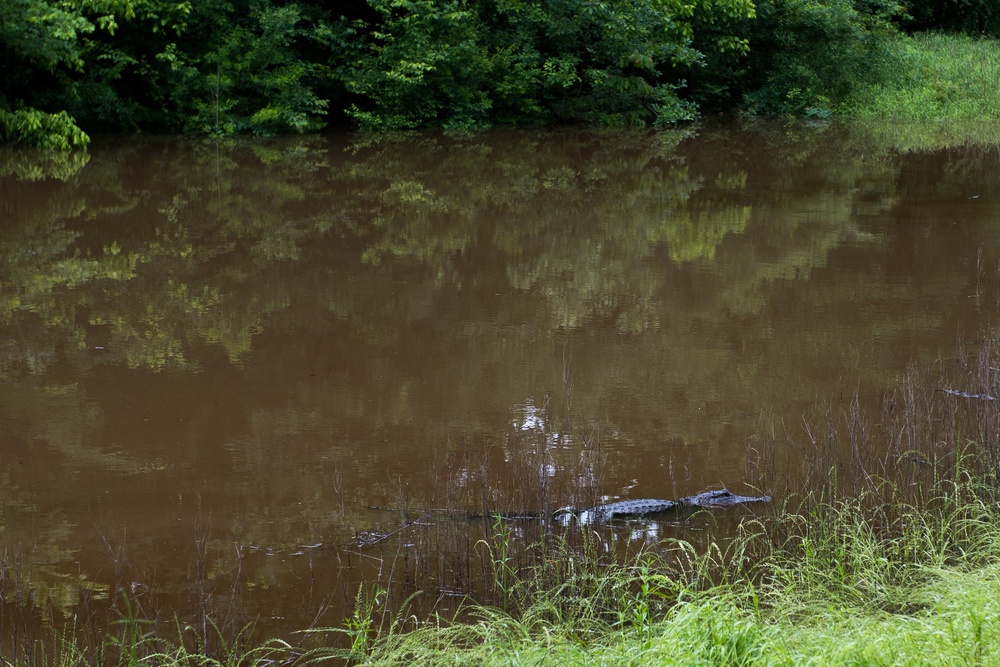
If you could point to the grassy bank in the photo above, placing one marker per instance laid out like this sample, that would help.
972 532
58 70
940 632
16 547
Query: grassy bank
853 582
957 625
933 77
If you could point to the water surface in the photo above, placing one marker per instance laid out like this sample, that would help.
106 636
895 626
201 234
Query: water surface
222 364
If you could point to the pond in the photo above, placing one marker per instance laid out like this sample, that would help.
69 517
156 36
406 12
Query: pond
241 377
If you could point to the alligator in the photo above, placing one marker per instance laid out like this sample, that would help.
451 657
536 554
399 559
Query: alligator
609 511
603 513
649 506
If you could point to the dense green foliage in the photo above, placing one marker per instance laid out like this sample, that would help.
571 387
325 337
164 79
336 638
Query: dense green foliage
465 64
68 67
809 55
975 17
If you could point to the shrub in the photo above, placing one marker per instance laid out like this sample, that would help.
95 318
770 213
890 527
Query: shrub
31 127
463 64
808 55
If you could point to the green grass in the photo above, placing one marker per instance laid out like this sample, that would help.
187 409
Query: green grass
846 583
958 623
934 77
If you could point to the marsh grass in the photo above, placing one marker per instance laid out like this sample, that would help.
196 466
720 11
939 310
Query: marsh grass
847 586
936 77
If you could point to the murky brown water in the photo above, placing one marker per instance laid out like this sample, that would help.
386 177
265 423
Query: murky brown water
216 358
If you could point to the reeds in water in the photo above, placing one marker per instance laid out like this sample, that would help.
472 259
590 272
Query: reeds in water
882 548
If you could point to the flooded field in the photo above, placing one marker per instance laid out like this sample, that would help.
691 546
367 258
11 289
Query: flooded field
238 379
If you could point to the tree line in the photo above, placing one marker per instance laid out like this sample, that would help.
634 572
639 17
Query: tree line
71 68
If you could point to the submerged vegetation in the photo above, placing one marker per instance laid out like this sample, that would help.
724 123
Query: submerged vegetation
73 67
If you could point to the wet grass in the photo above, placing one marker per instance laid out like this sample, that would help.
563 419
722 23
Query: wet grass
855 581
957 625
937 78
884 550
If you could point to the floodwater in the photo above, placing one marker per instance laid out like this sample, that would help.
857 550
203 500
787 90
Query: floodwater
232 374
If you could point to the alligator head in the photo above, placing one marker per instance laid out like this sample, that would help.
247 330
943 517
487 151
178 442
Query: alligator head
721 498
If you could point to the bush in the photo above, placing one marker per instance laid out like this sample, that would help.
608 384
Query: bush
808 55
465 64
31 127
974 17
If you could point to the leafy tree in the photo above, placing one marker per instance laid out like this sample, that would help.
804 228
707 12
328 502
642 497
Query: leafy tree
465 64
42 130
253 76
38 39
975 17
114 65
290 66
48 49
125 83
805 56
